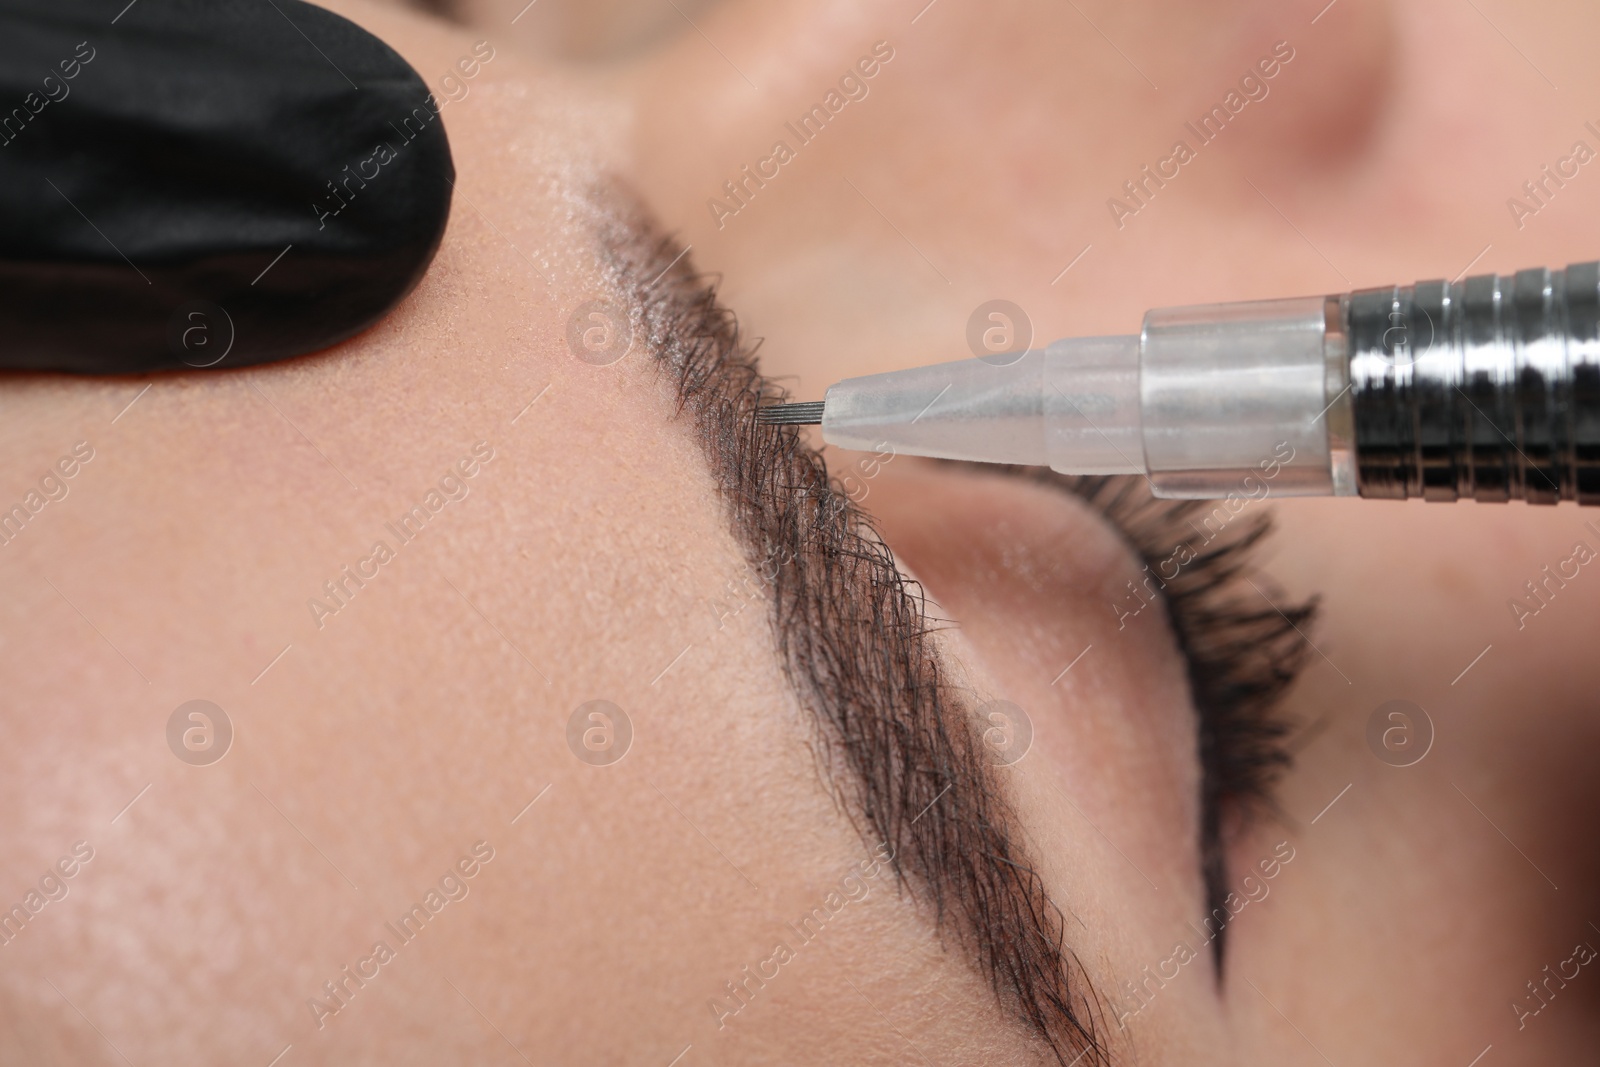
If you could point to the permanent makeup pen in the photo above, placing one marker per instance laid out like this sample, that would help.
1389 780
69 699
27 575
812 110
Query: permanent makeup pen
1487 388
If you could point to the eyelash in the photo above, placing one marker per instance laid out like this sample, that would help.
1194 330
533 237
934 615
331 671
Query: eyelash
1242 653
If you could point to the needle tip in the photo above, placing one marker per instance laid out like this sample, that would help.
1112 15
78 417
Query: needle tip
807 414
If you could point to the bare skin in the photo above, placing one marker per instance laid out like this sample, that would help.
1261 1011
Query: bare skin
590 559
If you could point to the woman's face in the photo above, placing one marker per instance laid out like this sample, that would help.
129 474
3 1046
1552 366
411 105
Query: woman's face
814 817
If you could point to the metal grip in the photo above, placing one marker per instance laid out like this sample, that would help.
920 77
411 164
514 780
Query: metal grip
1487 388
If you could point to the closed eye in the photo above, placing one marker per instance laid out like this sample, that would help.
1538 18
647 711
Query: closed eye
1241 652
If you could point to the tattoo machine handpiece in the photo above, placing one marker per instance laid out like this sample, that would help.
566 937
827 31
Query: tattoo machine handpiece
1487 388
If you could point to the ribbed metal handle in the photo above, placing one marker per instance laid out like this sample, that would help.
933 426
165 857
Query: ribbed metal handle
1487 388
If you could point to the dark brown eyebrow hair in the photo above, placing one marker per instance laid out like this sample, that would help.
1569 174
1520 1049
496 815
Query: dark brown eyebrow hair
895 745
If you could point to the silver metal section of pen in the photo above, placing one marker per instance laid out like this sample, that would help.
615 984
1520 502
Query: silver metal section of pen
1487 388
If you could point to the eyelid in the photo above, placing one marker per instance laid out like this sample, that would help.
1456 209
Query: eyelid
1243 651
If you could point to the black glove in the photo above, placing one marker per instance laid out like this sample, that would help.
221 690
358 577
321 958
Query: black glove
156 164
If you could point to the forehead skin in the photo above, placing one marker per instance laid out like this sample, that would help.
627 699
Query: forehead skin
374 750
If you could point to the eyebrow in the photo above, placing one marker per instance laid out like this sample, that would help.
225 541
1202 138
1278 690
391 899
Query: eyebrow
899 751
